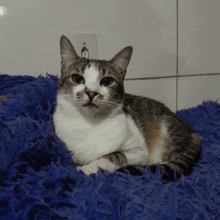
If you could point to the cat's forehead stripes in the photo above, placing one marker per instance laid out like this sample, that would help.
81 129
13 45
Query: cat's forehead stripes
100 66
92 77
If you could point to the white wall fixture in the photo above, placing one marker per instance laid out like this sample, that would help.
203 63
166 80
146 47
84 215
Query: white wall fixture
85 52
87 45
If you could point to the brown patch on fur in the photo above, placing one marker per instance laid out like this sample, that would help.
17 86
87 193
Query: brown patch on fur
152 134
156 141
79 95
100 96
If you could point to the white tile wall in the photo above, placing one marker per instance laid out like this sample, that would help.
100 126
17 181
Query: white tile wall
199 51
199 36
162 90
192 91
30 33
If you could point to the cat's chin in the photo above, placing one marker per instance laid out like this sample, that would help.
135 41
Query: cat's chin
90 105
94 112
89 109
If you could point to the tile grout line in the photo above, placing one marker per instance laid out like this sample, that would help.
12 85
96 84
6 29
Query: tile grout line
177 76
177 50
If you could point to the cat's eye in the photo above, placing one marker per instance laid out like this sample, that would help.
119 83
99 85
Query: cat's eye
78 79
107 81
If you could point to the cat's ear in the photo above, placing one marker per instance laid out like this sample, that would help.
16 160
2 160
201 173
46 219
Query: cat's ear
121 60
67 51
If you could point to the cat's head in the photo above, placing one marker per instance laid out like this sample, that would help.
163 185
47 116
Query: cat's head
92 85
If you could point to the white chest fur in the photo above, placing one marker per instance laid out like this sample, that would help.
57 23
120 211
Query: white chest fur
91 141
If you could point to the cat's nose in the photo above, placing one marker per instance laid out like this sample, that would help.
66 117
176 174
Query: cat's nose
91 95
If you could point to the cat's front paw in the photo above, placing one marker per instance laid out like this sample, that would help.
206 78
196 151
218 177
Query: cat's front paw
88 169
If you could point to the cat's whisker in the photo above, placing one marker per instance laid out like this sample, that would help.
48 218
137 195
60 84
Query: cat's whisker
116 104
109 102
112 103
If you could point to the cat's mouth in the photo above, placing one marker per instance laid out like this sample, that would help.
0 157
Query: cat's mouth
90 104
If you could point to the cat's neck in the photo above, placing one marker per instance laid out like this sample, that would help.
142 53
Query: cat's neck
99 116
67 107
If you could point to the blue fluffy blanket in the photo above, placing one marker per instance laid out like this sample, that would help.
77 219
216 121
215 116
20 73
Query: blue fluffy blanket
38 179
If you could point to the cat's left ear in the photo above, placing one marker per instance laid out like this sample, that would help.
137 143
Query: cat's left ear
67 51
121 60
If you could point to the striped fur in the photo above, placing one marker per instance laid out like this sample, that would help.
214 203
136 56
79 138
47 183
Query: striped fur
106 128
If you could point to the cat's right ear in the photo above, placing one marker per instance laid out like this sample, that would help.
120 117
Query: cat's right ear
67 51
121 60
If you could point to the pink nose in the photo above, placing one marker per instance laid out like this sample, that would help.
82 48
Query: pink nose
91 94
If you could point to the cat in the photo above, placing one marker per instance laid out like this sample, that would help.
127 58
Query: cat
107 128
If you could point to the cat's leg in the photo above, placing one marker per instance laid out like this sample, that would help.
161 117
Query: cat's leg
134 157
170 171
169 174
109 163
133 170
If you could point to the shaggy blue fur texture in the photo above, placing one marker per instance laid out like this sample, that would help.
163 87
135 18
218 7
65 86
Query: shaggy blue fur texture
38 180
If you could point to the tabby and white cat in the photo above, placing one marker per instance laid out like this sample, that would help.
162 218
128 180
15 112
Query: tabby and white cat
107 128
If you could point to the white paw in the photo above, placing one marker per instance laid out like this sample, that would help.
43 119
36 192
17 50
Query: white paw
89 168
